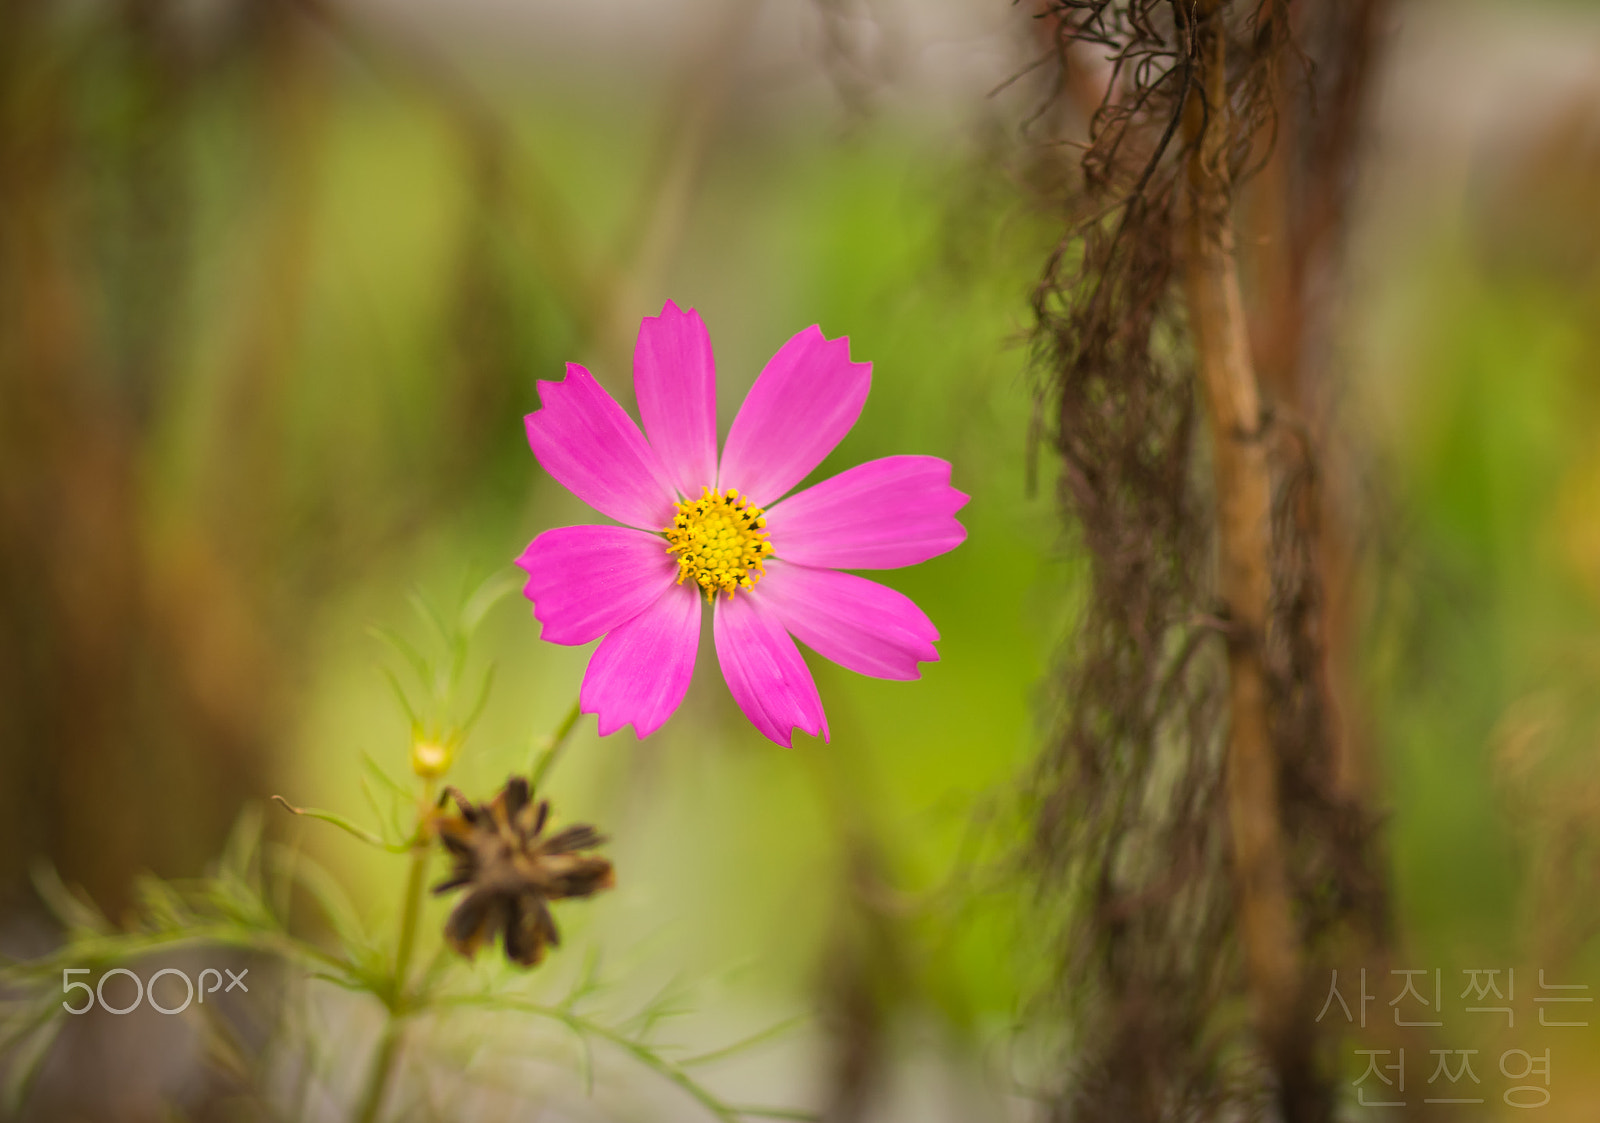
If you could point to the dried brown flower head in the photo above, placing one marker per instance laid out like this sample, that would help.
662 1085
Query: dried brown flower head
512 870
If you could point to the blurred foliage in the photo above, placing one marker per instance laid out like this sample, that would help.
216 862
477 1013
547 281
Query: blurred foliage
246 906
1482 661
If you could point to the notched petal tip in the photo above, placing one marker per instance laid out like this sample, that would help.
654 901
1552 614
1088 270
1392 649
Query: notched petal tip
819 730
575 373
641 670
765 671
584 581
859 624
675 381
589 444
671 310
608 723
884 514
807 397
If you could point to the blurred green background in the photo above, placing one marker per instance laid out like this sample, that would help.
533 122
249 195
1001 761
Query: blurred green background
276 285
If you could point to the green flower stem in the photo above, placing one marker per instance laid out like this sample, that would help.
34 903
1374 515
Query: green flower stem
378 1076
397 999
557 741
411 912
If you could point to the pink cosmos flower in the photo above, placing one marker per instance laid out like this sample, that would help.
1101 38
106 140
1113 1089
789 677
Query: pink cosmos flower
699 530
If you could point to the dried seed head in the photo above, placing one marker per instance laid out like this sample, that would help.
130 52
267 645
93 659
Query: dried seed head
511 870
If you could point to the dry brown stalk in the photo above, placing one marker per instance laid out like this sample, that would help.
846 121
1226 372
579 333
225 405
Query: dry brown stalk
1244 577
1193 827
1299 215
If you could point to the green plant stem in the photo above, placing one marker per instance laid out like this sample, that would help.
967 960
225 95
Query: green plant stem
558 741
378 1075
410 915
397 999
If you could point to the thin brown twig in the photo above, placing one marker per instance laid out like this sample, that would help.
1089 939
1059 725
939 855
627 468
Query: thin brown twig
1243 496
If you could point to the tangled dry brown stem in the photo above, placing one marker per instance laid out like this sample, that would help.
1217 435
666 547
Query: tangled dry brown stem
1188 817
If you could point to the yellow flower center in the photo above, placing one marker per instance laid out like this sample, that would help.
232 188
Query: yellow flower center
720 541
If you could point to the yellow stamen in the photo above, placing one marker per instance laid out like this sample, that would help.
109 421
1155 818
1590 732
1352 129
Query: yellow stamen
720 541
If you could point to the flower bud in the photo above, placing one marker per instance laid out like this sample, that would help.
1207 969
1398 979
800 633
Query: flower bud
431 757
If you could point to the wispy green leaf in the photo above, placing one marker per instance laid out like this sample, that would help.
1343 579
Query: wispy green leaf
405 649
490 593
74 910
744 1044
345 825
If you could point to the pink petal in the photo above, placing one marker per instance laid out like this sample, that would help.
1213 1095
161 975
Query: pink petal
641 671
585 580
806 400
585 439
675 378
859 624
879 515
769 679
